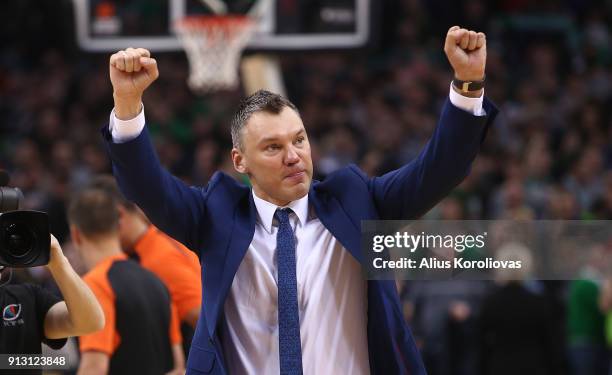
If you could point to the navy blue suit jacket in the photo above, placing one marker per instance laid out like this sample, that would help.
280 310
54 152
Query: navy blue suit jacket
218 222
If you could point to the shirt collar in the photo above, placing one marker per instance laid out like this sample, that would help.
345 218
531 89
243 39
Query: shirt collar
266 210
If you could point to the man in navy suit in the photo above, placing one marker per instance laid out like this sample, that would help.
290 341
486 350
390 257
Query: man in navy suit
283 287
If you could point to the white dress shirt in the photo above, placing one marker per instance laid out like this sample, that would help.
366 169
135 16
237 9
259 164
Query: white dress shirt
331 299
332 292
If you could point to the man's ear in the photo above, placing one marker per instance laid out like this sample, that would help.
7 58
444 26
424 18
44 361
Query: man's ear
122 211
239 162
75 234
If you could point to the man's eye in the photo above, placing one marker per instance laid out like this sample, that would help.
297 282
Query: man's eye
272 147
299 140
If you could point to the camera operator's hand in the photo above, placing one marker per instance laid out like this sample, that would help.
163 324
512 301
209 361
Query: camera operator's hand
56 255
79 313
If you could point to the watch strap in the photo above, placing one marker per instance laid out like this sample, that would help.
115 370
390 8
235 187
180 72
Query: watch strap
467 86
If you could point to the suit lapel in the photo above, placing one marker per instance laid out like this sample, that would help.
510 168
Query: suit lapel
335 219
328 210
242 234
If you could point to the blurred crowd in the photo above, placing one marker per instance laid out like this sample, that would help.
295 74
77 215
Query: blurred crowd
547 156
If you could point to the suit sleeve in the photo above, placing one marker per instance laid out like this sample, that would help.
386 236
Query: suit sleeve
410 191
174 207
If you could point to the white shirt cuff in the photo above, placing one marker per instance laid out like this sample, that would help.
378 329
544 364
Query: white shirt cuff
471 105
125 130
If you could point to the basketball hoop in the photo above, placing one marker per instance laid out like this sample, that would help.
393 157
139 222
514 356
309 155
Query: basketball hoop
213 45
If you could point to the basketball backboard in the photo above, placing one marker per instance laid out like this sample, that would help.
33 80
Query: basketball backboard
108 25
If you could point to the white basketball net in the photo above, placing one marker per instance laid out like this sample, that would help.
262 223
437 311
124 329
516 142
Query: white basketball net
213 45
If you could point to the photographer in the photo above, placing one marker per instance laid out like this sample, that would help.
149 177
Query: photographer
31 315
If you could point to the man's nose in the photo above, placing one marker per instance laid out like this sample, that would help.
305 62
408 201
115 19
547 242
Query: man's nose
292 156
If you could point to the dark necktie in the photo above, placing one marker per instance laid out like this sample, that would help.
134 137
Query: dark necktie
289 344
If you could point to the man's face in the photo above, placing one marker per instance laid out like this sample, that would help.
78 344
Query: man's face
124 228
276 156
131 222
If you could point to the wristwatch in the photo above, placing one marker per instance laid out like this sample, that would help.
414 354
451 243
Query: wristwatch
467 86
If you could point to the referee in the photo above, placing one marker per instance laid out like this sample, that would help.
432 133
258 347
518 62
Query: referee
154 251
141 334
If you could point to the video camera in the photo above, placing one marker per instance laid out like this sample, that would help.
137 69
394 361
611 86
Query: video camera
24 235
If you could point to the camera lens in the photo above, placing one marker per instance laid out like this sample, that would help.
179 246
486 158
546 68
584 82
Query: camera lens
24 238
18 240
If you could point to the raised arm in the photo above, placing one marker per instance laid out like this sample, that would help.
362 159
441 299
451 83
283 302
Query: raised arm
131 72
79 313
173 206
445 161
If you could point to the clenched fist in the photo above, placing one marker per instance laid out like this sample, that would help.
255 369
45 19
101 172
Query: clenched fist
466 51
131 72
